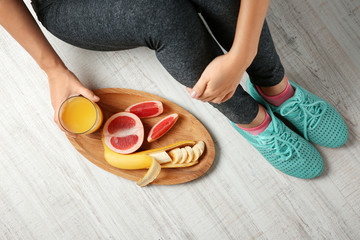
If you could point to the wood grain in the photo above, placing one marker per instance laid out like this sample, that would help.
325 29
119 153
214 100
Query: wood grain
48 190
187 127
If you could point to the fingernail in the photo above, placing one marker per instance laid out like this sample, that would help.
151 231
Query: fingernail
96 98
193 94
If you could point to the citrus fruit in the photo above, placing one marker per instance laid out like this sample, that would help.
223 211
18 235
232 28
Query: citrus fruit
162 127
123 132
146 109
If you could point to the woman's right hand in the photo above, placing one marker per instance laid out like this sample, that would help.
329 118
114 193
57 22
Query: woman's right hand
64 84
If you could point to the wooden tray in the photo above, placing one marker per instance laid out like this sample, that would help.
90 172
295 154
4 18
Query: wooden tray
113 100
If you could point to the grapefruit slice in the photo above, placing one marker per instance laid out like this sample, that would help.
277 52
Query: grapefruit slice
162 127
146 109
123 132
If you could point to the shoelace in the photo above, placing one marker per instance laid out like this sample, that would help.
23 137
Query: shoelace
283 144
306 109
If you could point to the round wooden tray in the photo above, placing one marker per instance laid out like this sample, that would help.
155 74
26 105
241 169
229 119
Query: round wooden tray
113 100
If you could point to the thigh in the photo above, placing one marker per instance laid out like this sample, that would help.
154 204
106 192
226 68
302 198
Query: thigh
221 17
105 24
182 43
172 28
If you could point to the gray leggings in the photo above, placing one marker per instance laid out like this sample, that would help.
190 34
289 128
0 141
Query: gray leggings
173 29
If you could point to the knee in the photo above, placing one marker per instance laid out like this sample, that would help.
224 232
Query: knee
172 23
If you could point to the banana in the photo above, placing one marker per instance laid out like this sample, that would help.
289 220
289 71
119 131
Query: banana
181 154
139 160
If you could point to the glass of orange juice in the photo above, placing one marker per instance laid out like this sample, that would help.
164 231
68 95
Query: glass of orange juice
79 115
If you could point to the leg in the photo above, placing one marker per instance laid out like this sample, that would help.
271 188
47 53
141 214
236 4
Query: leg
101 26
266 69
184 51
162 25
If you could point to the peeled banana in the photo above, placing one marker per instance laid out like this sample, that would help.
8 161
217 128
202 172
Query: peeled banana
139 160
181 154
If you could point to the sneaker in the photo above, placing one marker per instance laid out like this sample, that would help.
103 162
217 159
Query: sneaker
286 150
317 120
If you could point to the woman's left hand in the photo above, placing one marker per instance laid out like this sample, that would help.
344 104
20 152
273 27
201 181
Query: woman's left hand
219 80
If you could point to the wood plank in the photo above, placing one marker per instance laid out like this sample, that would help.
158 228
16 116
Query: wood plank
50 191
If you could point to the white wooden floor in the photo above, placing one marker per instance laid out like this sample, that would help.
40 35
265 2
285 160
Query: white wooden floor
49 191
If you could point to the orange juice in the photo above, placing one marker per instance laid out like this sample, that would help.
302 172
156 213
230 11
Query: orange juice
80 115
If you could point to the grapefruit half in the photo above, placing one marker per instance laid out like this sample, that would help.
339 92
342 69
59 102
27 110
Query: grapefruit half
123 132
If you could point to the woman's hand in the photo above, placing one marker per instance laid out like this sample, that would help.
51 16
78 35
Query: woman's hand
18 21
222 76
219 80
63 84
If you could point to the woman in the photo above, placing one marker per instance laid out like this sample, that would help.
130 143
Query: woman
189 53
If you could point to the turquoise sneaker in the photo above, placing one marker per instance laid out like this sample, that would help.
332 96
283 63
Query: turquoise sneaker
286 150
316 119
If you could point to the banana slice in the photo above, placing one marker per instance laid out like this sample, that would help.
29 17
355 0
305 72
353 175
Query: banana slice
175 155
198 149
184 155
201 146
151 174
197 153
190 154
161 157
